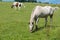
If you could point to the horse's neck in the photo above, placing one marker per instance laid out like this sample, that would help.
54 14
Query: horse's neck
17 4
32 18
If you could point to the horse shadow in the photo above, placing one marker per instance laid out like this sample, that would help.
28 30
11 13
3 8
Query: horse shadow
47 27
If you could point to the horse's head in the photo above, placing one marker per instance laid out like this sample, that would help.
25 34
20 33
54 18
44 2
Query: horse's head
31 25
12 6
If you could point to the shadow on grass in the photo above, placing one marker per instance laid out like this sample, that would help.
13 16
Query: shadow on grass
48 27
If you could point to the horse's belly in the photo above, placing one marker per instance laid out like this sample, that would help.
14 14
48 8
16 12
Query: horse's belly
42 15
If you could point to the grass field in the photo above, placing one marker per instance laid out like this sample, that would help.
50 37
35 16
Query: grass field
14 24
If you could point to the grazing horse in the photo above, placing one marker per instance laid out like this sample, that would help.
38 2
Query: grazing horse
17 5
41 12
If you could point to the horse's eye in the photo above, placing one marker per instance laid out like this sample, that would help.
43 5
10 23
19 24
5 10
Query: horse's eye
32 23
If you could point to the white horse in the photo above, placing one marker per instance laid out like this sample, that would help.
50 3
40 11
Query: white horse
41 12
17 5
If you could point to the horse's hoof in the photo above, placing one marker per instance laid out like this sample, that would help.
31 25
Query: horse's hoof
31 31
36 27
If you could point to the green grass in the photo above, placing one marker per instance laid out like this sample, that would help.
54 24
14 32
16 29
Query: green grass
14 24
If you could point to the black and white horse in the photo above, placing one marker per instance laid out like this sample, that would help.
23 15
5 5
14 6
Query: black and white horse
17 5
41 12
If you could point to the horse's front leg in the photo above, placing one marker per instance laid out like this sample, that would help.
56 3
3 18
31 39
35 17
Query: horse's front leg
15 7
45 21
19 7
51 16
36 23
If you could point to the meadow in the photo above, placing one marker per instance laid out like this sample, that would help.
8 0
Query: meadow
14 23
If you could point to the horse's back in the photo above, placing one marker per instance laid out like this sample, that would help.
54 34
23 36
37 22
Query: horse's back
41 11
